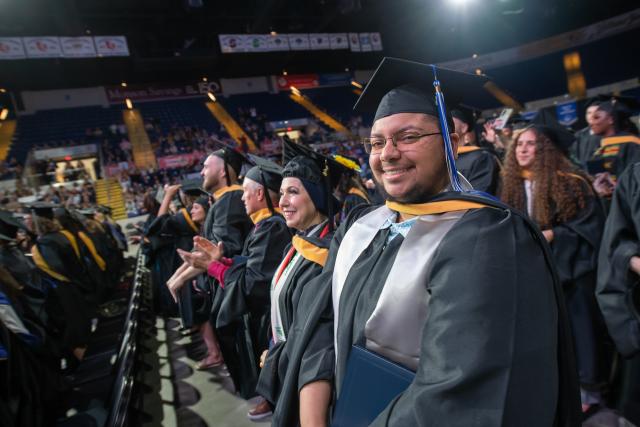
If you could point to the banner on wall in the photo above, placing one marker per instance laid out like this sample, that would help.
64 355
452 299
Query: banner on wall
145 93
11 48
376 41
299 81
111 45
354 42
339 41
319 41
179 160
567 113
78 47
357 42
299 41
231 43
335 79
42 47
279 42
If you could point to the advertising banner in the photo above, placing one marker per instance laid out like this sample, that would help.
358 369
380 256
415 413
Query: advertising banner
339 41
319 41
78 47
299 41
42 47
11 48
299 81
142 93
111 45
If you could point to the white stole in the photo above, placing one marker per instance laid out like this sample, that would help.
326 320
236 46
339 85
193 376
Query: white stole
394 329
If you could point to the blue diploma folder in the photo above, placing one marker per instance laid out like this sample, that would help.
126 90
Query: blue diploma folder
370 383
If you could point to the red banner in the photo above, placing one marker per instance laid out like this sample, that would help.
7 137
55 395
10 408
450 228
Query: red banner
178 160
299 81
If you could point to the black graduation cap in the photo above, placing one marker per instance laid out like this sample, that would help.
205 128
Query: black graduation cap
87 212
231 157
42 209
9 225
319 170
315 168
546 123
401 86
193 187
203 201
265 172
466 115
516 122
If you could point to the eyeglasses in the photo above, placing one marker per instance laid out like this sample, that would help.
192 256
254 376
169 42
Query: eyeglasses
375 144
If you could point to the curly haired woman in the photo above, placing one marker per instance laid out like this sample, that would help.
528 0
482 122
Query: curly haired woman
539 179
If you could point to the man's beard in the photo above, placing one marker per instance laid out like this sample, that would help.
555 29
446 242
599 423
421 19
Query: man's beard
208 185
414 196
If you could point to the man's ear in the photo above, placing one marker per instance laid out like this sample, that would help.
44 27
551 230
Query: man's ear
455 141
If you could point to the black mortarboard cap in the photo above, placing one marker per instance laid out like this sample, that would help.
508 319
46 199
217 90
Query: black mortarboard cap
465 115
193 187
203 201
401 86
232 157
314 167
42 209
265 172
546 123
9 225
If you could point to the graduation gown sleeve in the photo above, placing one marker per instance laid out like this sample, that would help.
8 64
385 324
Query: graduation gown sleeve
248 281
615 280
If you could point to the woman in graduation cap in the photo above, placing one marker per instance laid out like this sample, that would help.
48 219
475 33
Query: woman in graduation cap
244 310
619 144
539 179
307 202
479 165
455 287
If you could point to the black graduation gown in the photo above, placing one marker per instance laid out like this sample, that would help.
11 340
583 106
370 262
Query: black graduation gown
352 199
584 146
618 152
575 249
617 290
495 337
275 367
166 234
243 319
72 309
107 248
227 222
481 168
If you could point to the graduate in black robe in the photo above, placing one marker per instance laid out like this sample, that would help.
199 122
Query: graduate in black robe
57 256
619 145
618 292
539 179
586 142
458 288
479 165
307 198
242 324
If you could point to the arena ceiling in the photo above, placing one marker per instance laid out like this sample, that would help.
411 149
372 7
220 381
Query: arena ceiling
177 40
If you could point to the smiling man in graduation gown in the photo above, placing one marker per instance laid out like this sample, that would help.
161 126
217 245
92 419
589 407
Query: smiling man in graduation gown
455 287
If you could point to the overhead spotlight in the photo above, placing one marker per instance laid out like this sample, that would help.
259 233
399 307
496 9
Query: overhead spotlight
284 72
212 96
273 33
356 84
128 103
4 114
295 91
346 70
478 71
2 90
204 79
475 55
123 84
